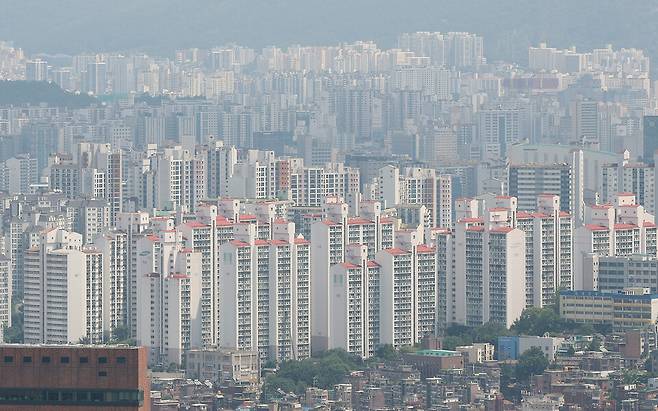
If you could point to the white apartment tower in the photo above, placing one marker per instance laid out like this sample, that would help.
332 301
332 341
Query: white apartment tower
264 288
331 237
176 180
417 186
63 291
489 269
549 244
254 176
169 293
113 246
625 177
220 162
5 294
622 228
310 186
134 225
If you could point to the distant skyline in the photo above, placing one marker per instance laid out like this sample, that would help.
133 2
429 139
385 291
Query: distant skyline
161 26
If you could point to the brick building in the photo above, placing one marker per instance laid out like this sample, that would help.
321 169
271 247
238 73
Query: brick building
36 377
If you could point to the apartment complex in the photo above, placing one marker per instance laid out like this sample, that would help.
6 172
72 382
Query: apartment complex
264 293
622 228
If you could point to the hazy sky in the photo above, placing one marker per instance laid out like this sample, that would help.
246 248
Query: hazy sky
71 26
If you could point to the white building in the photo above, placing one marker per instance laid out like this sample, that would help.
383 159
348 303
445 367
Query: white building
168 317
63 291
90 218
366 292
220 163
354 302
625 177
264 293
331 238
619 229
479 267
6 294
489 271
113 246
417 186
548 235
134 225
311 186
500 126
176 179
254 176
408 286
549 247
18 173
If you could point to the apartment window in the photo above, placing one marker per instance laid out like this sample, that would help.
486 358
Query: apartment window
121 360
102 373
64 360
45 360
9 359
84 360
27 359
102 360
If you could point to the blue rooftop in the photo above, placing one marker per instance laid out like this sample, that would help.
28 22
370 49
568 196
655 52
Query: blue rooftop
618 296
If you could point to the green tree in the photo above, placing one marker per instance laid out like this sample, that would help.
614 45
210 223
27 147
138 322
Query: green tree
14 334
274 386
387 353
457 335
36 92
537 321
489 333
453 341
508 384
633 376
324 371
532 362
121 333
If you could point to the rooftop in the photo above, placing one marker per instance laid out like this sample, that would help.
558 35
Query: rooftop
619 296
438 353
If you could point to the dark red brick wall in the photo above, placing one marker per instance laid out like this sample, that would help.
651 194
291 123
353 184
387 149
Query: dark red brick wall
131 375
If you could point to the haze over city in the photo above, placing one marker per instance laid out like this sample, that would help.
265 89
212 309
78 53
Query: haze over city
333 205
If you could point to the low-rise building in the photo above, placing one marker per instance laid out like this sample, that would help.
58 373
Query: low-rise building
477 353
511 347
220 365
430 362
630 309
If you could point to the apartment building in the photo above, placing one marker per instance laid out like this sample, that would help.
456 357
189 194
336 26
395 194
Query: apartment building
63 293
622 228
168 315
264 292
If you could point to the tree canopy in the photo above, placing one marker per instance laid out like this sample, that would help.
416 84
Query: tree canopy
14 334
19 93
532 362
324 371
457 335
539 321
